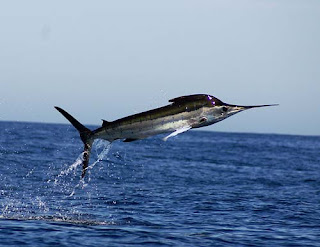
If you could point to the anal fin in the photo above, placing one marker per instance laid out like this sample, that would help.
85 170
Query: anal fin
178 131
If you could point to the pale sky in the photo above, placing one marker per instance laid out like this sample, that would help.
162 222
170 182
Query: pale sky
109 59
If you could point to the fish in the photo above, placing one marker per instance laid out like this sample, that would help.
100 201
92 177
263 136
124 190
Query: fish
182 114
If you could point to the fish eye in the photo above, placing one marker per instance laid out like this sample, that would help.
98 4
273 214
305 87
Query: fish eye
224 109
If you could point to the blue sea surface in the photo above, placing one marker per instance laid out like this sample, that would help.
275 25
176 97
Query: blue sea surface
197 189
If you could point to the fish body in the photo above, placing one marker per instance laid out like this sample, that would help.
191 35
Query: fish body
184 113
177 116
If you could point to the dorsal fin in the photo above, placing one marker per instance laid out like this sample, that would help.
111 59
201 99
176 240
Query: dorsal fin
196 97
188 98
105 123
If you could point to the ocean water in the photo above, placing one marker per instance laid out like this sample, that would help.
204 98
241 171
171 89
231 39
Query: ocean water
197 189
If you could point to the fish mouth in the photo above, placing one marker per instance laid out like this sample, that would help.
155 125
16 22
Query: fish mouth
246 107
238 108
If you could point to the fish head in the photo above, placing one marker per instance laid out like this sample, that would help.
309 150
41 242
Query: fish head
218 110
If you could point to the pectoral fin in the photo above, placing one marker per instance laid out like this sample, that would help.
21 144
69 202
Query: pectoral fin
178 131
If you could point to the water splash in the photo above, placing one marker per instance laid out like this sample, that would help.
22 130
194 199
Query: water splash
103 145
62 186
101 150
71 168
16 207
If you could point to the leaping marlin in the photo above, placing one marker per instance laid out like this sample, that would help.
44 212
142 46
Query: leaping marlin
184 113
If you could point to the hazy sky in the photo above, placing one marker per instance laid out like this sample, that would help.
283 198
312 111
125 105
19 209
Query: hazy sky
109 59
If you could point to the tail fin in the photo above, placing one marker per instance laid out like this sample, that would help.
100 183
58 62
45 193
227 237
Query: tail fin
85 135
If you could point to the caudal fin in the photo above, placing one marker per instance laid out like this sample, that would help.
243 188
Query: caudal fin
85 135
